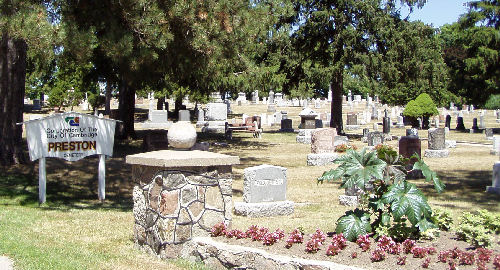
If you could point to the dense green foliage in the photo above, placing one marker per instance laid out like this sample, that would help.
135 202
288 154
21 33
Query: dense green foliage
477 229
493 102
389 198
421 106
471 50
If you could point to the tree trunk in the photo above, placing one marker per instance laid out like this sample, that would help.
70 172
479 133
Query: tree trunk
107 106
126 111
337 86
12 87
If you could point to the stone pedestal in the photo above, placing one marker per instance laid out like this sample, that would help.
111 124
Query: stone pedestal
495 183
179 195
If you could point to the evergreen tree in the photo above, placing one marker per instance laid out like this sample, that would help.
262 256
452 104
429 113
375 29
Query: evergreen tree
332 32
472 53
25 32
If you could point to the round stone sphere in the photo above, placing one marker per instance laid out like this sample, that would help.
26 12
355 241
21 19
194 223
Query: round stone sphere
181 135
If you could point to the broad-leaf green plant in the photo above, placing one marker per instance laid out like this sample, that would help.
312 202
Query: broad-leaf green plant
388 197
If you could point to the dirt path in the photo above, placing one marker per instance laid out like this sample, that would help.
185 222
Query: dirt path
6 263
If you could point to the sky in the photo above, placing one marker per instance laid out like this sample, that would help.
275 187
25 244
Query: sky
438 12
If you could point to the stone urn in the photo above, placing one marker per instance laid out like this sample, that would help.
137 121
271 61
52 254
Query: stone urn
181 135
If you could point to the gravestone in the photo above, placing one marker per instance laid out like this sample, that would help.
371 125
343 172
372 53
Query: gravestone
489 133
412 132
409 145
37 105
322 147
386 125
307 119
155 140
184 115
481 122
475 127
264 192
498 116
271 108
352 119
318 123
216 117
286 125
495 182
460 123
400 123
201 118
448 121
495 150
375 138
271 97
436 144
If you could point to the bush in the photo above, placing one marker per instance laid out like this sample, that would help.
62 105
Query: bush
442 218
493 102
477 229
427 106
422 106
412 109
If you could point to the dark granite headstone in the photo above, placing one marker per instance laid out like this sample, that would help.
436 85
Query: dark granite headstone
386 125
318 123
286 125
448 121
474 124
460 123
409 145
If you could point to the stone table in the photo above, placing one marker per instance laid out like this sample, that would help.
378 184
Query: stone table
179 195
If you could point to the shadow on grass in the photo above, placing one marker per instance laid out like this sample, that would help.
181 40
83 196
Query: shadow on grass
465 186
73 185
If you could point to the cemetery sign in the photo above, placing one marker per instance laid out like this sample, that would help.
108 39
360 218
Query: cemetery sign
71 136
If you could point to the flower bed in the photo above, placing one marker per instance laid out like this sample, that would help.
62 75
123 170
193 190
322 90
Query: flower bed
445 252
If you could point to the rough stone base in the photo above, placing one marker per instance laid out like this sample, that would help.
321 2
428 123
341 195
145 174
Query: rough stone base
351 127
348 200
321 159
265 209
436 153
451 144
219 255
491 189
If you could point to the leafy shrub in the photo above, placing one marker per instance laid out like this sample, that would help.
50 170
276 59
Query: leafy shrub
493 102
427 106
384 151
412 109
391 197
442 218
472 230
421 106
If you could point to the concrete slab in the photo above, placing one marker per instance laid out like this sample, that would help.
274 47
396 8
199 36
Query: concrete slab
179 158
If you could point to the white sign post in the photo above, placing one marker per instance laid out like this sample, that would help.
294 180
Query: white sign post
71 136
